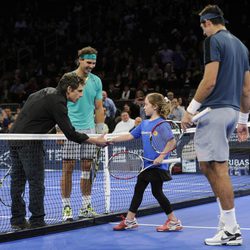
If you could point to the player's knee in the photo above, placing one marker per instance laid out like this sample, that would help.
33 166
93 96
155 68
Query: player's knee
157 194
86 165
67 173
205 167
68 166
85 175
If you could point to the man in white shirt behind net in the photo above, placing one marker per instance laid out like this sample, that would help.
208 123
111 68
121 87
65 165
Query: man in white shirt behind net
125 124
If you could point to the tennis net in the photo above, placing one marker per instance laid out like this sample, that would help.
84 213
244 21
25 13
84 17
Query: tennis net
109 196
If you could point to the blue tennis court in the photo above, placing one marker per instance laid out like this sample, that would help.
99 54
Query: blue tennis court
199 223
111 197
182 188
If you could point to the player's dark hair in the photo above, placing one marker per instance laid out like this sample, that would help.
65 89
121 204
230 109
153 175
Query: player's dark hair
214 9
87 50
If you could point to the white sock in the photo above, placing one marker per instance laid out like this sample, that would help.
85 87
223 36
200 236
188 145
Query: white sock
66 202
130 221
86 200
221 222
218 202
229 219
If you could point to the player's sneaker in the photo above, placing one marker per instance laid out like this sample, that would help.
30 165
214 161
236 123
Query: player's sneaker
170 225
67 213
225 238
126 224
88 212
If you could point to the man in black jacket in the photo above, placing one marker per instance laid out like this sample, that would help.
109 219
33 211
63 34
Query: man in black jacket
41 112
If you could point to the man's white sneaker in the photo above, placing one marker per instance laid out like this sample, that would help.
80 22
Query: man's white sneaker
225 238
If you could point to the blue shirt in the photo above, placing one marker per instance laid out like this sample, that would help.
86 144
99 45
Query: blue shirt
232 55
81 113
110 107
143 131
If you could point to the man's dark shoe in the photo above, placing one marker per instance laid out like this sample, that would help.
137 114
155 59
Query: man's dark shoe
20 226
37 224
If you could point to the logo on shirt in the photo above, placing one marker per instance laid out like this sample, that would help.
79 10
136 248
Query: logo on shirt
155 133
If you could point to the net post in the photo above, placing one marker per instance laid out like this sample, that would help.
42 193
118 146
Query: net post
106 182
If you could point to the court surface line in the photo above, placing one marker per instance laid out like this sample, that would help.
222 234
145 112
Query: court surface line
198 227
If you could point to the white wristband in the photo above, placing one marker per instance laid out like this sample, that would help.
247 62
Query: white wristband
193 107
99 127
243 118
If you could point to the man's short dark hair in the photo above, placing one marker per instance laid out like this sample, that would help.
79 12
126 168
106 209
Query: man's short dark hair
70 80
216 11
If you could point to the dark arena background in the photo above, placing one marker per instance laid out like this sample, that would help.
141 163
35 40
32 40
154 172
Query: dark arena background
143 46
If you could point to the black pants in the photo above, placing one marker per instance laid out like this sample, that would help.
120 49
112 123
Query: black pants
27 165
156 187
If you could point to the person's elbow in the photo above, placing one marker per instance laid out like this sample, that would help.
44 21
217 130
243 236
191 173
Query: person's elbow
209 84
246 86
210 75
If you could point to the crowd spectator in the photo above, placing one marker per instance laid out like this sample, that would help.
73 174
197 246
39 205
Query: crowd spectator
109 104
155 73
127 93
139 103
181 103
165 53
138 121
132 109
4 122
170 95
109 123
125 124
176 111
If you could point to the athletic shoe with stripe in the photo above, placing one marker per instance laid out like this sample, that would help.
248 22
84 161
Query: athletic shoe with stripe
170 225
224 238
88 212
126 224
67 213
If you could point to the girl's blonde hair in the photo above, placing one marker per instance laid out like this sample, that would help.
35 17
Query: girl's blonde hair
162 105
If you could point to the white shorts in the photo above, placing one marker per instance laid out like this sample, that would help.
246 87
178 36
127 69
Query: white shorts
75 151
212 134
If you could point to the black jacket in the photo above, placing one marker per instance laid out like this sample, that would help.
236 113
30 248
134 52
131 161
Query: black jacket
42 111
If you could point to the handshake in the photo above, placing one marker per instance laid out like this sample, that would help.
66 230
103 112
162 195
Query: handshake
101 141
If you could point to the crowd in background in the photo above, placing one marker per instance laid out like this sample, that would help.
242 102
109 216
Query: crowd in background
143 46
